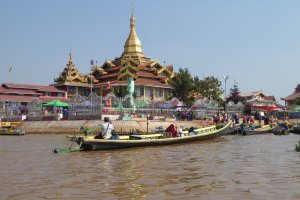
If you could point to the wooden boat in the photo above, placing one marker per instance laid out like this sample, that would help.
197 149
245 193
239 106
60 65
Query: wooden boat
12 132
89 143
281 129
234 129
256 131
10 128
295 129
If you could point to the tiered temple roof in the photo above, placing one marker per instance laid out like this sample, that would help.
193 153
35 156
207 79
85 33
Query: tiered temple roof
71 76
133 63
290 100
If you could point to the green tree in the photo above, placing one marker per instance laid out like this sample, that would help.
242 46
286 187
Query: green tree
182 85
209 87
297 101
234 94
297 90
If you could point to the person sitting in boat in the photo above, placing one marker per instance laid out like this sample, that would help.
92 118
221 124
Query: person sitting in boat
106 130
224 118
180 132
192 131
172 129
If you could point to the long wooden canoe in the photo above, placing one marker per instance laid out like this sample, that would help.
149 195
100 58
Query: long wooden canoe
89 143
10 128
12 132
295 129
262 130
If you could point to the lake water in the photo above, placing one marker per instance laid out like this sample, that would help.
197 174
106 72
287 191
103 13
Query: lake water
232 167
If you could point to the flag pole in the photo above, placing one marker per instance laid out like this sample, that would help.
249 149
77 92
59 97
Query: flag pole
9 71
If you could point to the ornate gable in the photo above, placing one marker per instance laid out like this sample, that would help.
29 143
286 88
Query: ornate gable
129 67
70 74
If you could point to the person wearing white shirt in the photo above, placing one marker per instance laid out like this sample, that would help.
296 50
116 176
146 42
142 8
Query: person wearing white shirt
106 129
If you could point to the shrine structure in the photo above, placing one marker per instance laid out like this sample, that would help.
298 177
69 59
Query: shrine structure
72 81
150 76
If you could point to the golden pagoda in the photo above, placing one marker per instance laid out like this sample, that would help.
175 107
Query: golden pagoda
151 77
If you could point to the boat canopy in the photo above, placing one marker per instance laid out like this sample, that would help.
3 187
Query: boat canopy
56 103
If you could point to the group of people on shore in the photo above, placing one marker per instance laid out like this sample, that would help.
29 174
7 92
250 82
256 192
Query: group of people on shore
260 117
185 115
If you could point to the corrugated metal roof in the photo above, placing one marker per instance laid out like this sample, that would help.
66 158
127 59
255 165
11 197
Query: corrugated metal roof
27 99
33 87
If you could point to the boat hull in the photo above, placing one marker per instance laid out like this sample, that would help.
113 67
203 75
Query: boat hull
281 129
264 130
257 132
295 131
13 133
100 144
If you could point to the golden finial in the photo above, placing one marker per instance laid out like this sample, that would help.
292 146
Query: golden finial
132 18
132 22
70 64
133 45
70 60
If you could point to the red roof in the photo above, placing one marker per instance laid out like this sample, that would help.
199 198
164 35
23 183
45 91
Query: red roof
4 90
271 98
147 68
17 98
46 99
109 76
113 82
151 82
139 81
147 74
33 87
291 97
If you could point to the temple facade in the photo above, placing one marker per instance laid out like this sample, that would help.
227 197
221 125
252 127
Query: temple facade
72 81
150 76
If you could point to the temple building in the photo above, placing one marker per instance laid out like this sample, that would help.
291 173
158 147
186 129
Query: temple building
151 77
72 81
294 98
260 101
22 94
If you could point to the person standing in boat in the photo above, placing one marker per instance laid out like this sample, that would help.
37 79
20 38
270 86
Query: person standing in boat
106 129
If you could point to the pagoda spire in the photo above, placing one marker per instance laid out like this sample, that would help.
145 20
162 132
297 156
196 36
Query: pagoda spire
133 45
70 60
70 64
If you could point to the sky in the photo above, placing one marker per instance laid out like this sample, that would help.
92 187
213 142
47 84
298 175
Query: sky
255 42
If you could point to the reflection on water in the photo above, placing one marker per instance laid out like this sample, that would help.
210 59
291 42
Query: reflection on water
232 167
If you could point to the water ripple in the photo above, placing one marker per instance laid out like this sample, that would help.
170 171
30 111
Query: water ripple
233 167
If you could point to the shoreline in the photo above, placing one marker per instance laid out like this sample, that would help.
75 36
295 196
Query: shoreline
121 126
